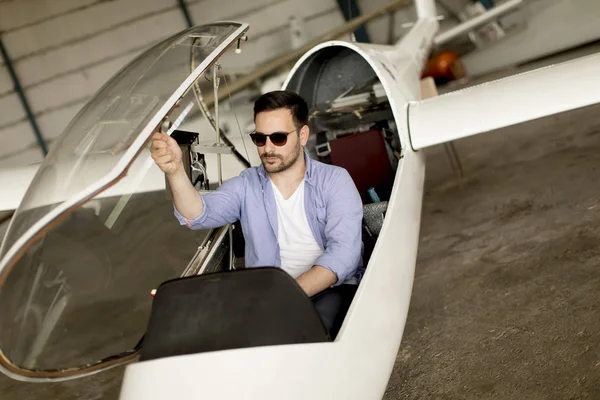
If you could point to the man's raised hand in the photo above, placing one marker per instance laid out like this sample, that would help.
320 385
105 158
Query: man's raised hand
166 153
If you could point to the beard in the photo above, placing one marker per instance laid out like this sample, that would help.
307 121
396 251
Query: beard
280 164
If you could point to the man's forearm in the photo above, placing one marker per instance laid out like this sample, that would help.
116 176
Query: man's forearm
316 280
186 198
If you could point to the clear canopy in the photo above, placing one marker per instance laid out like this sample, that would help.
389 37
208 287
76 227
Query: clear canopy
96 226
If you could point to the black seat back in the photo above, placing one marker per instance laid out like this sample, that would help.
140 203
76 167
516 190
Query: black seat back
227 310
373 217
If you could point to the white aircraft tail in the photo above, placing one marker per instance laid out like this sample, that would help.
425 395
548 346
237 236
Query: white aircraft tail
505 102
417 43
425 8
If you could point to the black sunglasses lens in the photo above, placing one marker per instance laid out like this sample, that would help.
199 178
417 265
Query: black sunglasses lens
258 139
278 139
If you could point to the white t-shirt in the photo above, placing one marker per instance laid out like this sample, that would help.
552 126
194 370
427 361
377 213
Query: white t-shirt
299 249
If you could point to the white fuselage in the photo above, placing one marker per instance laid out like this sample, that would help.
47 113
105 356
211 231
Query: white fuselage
358 363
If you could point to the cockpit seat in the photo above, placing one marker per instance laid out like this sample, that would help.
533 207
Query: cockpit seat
373 216
364 155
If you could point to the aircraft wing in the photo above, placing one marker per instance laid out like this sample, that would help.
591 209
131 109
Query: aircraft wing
505 102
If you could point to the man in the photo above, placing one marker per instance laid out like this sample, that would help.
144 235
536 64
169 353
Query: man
296 213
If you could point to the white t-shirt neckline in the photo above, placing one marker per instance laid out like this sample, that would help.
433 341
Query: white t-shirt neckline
298 248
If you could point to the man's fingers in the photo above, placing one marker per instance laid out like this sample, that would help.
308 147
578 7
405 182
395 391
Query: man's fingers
164 151
160 136
156 136
160 151
171 142
158 144
163 159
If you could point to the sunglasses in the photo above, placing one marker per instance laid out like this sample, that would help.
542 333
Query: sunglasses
277 138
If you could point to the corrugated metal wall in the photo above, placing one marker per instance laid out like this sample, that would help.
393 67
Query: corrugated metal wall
64 50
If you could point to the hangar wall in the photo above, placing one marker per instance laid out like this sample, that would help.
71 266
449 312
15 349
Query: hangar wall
551 26
63 51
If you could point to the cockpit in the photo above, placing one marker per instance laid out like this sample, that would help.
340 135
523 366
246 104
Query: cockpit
95 234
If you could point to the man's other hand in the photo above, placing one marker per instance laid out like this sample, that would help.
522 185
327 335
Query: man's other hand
315 280
166 153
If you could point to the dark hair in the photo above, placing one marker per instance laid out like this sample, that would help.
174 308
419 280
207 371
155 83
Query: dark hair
283 99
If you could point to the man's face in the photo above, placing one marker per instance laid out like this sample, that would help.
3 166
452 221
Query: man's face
279 158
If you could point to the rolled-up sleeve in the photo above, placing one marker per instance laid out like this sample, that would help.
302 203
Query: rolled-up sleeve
219 208
343 229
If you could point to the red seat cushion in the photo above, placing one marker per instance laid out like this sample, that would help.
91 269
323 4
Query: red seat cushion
365 158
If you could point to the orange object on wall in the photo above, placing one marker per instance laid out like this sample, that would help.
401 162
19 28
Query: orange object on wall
444 66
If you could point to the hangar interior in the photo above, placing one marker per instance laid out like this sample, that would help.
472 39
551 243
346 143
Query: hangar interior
504 300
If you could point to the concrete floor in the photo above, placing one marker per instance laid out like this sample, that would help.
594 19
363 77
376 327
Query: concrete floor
505 302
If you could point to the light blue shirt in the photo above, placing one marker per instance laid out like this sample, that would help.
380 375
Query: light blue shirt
333 207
